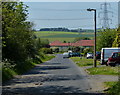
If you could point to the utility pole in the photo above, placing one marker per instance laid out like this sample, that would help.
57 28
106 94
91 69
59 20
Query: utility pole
95 64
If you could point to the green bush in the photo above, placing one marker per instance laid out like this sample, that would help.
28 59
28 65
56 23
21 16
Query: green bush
7 74
87 50
47 50
7 70
56 50
22 67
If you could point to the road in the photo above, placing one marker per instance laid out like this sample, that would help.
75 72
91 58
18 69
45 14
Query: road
56 76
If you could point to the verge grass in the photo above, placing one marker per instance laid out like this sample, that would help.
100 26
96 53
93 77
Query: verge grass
47 57
83 61
105 70
113 88
20 68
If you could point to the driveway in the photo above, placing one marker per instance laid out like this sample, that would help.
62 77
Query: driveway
58 76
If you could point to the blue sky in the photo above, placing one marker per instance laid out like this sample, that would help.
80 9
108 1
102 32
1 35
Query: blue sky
68 14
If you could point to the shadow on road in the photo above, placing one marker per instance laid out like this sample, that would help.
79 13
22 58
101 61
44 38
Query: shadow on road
48 90
39 69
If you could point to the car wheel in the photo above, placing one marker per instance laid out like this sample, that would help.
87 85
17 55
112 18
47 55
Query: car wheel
113 65
117 64
106 64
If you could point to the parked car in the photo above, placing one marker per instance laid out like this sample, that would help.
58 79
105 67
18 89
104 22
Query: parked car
71 54
114 59
74 54
106 53
70 51
98 55
66 55
89 55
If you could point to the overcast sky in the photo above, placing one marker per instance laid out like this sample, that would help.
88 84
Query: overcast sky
68 14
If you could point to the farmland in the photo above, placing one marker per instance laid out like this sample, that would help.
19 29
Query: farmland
62 36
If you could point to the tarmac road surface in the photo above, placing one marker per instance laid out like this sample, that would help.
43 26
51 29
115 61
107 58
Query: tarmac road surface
58 76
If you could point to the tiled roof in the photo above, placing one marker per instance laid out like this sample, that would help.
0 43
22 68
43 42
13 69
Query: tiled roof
55 43
78 43
84 43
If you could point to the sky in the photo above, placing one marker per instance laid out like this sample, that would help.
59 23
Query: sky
69 14
70 0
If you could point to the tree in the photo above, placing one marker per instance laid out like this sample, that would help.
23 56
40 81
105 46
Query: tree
64 41
87 50
105 38
116 42
45 43
17 35
76 49
81 38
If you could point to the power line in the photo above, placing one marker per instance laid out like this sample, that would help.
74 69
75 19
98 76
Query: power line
61 19
61 9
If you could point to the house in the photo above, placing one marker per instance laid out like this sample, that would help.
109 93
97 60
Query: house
84 43
60 45
65 46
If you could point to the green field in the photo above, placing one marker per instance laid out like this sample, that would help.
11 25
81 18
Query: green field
62 36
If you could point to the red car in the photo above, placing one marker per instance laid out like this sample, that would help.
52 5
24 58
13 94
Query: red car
114 59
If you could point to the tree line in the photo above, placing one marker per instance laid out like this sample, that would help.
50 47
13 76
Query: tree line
62 29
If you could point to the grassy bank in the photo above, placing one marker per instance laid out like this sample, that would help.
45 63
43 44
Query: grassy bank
106 70
113 88
83 62
9 72
47 57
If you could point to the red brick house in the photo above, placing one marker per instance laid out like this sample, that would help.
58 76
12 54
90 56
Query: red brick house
64 46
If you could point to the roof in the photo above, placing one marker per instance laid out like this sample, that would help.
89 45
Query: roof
78 43
84 43
55 43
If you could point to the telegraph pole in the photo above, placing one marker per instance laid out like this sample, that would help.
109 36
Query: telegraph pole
95 64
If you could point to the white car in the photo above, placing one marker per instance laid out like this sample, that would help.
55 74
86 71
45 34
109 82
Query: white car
89 55
66 55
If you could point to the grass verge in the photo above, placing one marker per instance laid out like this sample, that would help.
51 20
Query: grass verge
106 70
83 62
20 68
113 88
47 57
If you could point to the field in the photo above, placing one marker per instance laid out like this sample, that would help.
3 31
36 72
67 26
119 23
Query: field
62 36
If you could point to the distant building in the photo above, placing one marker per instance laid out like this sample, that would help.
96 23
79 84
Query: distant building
84 43
65 46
